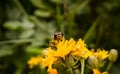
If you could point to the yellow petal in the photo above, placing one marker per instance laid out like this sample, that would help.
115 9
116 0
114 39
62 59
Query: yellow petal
52 71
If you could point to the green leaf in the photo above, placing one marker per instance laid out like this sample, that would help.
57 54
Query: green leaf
12 25
5 50
57 1
41 13
15 25
27 33
33 50
39 4
12 34
26 24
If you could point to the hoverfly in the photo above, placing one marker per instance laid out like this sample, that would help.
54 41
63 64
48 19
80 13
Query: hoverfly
58 37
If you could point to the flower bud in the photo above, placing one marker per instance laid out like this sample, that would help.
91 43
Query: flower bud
76 71
70 61
113 55
44 52
92 62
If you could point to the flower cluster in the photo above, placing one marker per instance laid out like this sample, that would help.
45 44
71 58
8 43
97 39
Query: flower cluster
68 53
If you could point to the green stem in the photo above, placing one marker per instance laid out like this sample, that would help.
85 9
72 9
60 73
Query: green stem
109 66
70 70
17 41
58 16
82 65
20 7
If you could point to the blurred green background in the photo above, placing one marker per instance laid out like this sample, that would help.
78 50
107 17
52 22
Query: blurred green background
26 26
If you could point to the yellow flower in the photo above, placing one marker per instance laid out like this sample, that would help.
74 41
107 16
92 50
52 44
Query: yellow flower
81 50
65 47
49 59
104 72
101 54
34 61
96 71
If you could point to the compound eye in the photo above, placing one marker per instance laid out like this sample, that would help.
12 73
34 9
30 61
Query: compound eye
58 35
